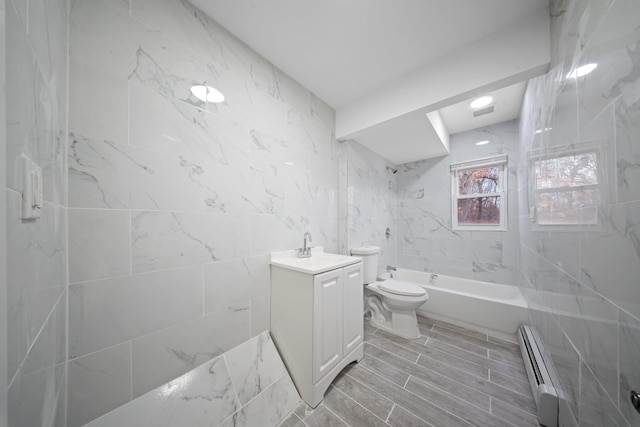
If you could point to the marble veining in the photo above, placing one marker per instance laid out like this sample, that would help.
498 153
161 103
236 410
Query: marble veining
254 366
246 386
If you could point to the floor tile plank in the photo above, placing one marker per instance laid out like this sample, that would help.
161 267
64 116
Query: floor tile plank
442 381
511 383
323 417
449 359
409 401
402 418
512 414
363 395
398 350
350 411
455 405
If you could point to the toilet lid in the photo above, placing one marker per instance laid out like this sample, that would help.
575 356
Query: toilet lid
399 287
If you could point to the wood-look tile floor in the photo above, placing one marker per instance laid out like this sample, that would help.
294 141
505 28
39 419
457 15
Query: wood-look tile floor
450 376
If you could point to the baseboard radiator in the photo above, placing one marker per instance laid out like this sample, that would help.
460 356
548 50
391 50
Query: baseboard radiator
542 375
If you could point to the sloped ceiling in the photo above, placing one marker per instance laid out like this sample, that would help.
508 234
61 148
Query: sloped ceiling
383 65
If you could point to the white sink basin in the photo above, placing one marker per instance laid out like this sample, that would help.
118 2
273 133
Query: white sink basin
319 262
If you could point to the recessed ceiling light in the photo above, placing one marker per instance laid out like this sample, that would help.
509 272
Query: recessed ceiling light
288 163
207 94
482 142
582 71
483 101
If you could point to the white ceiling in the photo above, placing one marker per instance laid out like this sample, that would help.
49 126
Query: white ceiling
348 52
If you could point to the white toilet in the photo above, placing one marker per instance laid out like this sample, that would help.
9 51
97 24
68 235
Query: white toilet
393 303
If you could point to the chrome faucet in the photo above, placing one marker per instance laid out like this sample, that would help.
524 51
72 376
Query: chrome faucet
304 251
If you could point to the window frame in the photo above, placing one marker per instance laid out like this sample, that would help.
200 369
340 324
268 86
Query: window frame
495 161
596 147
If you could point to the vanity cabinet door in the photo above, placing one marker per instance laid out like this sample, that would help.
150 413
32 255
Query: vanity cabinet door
352 309
327 321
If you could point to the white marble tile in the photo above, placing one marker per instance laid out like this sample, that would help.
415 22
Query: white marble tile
99 244
23 96
32 292
108 312
613 76
268 408
254 365
187 25
164 355
178 183
260 314
202 397
44 353
293 93
109 122
627 132
271 233
21 7
270 154
103 174
232 282
48 33
242 191
168 239
322 112
314 137
588 320
629 374
34 398
165 124
109 40
99 383
612 253
596 407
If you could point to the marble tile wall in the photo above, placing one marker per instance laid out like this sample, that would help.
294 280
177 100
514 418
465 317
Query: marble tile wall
581 282
175 203
36 260
246 386
369 189
426 241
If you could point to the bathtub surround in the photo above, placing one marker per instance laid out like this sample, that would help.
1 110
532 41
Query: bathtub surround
426 240
247 385
370 197
581 281
36 260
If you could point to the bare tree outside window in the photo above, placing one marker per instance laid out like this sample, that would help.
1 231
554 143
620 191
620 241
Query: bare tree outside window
479 210
566 189
479 194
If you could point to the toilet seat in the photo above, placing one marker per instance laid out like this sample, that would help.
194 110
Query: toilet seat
398 287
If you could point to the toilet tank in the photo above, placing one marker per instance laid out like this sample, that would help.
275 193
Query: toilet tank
369 255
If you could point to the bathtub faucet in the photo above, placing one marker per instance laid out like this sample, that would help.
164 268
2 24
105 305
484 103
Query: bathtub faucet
433 278
391 268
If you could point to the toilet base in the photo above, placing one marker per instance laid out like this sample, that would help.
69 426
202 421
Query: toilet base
403 324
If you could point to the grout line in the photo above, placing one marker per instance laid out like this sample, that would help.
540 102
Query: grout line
406 382
389 414
336 415
131 367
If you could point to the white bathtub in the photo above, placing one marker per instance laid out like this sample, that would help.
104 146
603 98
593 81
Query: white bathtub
487 307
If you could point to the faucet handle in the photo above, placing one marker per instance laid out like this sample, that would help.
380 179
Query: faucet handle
391 268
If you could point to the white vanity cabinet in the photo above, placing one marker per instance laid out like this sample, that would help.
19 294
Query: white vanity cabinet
316 323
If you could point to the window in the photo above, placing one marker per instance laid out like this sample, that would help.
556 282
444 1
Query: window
479 194
566 187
